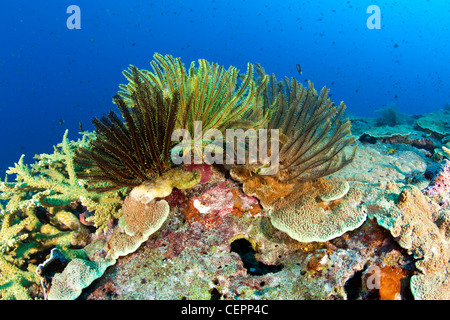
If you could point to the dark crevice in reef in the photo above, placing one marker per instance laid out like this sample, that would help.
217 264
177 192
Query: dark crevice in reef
365 138
215 294
353 286
244 249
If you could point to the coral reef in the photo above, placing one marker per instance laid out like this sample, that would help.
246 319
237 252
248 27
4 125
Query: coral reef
195 261
109 216
436 122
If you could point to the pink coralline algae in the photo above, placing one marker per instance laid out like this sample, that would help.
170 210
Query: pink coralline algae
205 171
176 198
210 207
439 188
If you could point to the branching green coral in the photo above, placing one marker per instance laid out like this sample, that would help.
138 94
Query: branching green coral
52 182
37 214
14 282
23 235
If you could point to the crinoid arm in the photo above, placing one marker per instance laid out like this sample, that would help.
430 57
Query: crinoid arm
317 135
126 153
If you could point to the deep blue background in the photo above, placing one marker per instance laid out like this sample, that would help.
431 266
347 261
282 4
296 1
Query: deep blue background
50 74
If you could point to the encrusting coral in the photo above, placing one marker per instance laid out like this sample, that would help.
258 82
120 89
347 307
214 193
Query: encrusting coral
266 188
420 226
77 275
143 215
439 188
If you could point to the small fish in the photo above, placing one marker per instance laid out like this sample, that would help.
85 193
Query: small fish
61 121
80 125
299 69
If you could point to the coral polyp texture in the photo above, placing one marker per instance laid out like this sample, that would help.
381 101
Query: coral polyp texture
112 215
319 211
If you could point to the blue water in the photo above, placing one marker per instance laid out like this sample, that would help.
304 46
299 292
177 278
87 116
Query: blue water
52 77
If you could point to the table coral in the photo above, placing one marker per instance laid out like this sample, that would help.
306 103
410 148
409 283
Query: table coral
306 219
296 210
436 122
383 166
